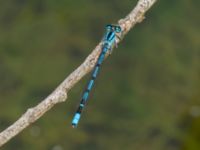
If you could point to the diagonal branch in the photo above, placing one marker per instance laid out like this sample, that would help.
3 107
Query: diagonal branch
60 93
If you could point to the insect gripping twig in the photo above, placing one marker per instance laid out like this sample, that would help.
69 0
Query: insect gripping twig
108 43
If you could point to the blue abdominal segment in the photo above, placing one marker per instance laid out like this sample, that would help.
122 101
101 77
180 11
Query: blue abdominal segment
76 119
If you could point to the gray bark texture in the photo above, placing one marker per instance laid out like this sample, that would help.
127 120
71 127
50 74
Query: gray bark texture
60 93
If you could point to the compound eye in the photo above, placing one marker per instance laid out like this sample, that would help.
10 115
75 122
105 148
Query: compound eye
108 27
118 29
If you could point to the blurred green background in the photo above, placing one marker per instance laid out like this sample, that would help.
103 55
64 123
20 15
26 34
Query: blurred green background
147 96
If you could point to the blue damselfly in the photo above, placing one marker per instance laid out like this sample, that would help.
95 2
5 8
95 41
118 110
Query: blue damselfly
108 43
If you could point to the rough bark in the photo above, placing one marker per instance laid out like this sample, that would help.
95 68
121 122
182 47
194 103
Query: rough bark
60 93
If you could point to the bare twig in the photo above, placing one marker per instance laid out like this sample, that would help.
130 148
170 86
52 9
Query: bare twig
60 93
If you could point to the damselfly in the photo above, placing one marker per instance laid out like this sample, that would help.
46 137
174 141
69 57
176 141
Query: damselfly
108 43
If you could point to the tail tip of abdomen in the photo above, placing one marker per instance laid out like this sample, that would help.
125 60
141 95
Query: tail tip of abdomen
76 120
74 125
